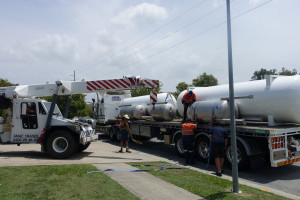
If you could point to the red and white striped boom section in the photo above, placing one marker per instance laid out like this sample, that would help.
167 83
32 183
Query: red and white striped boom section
125 83
79 87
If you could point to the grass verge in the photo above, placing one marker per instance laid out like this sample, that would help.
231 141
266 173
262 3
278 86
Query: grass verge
209 187
58 182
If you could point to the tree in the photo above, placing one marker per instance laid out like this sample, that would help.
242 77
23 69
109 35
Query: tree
5 83
259 74
287 72
78 106
143 91
205 80
181 87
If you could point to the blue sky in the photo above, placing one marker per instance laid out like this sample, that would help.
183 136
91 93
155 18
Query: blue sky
173 41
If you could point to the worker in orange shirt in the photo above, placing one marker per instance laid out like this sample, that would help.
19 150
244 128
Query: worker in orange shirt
187 141
187 100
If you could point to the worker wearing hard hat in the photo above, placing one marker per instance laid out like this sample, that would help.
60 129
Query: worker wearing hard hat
187 100
187 141
124 133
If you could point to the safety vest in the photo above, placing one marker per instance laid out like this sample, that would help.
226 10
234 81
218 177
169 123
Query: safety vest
189 99
188 128
122 125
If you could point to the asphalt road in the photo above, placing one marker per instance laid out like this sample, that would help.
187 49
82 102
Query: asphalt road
285 178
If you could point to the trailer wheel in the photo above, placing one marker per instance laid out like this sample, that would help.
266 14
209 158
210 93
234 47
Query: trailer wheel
117 134
202 148
242 157
61 144
111 134
82 147
179 145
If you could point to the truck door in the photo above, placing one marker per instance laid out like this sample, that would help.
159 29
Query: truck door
26 127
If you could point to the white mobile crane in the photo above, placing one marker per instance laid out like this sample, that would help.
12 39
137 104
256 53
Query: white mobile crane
34 120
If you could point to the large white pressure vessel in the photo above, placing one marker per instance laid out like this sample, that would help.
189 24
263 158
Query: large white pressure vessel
204 111
274 99
137 107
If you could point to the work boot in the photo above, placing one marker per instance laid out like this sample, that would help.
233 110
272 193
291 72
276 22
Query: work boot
218 173
121 150
127 150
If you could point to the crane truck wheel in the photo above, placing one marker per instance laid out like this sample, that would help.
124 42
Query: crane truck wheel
202 148
83 147
242 157
61 144
178 145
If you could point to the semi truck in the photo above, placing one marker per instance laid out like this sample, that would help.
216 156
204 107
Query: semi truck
34 120
267 120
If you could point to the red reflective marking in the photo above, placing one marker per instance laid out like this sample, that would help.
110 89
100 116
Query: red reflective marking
155 82
125 82
107 83
132 81
119 82
153 99
92 86
149 84
112 82
103 85
95 83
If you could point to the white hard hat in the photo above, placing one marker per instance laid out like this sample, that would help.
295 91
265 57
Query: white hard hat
126 116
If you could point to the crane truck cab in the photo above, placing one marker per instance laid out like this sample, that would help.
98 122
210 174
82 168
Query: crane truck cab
62 139
34 120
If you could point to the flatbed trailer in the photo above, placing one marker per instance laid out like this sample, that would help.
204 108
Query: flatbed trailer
256 142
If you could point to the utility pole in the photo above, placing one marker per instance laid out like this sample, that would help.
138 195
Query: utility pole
235 181
73 76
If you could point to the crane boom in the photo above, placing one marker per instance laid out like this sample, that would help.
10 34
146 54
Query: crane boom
78 87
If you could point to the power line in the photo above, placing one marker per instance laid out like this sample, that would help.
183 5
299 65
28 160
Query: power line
147 35
167 36
197 35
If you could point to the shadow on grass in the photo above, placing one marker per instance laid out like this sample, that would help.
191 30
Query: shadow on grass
219 195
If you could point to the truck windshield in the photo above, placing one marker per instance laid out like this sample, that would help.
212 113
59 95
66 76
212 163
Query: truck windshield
56 109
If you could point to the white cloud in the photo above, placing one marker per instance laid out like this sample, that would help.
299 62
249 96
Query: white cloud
51 48
140 15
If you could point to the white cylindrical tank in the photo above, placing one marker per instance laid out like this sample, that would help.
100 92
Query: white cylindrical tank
134 112
203 111
163 110
275 98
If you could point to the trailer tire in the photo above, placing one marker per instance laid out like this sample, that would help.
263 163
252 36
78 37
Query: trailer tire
83 147
243 160
61 144
202 148
117 134
178 145
111 134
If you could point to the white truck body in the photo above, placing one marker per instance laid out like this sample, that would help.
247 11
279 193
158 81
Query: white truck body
268 109
36 121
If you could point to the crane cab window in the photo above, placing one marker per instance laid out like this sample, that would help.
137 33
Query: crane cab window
28 115
42 111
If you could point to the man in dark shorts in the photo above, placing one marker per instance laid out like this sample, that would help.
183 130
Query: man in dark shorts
219 141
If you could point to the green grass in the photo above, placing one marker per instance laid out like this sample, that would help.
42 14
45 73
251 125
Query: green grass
58 182
209 187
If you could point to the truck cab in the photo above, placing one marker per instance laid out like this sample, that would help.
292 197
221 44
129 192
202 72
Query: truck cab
63 138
